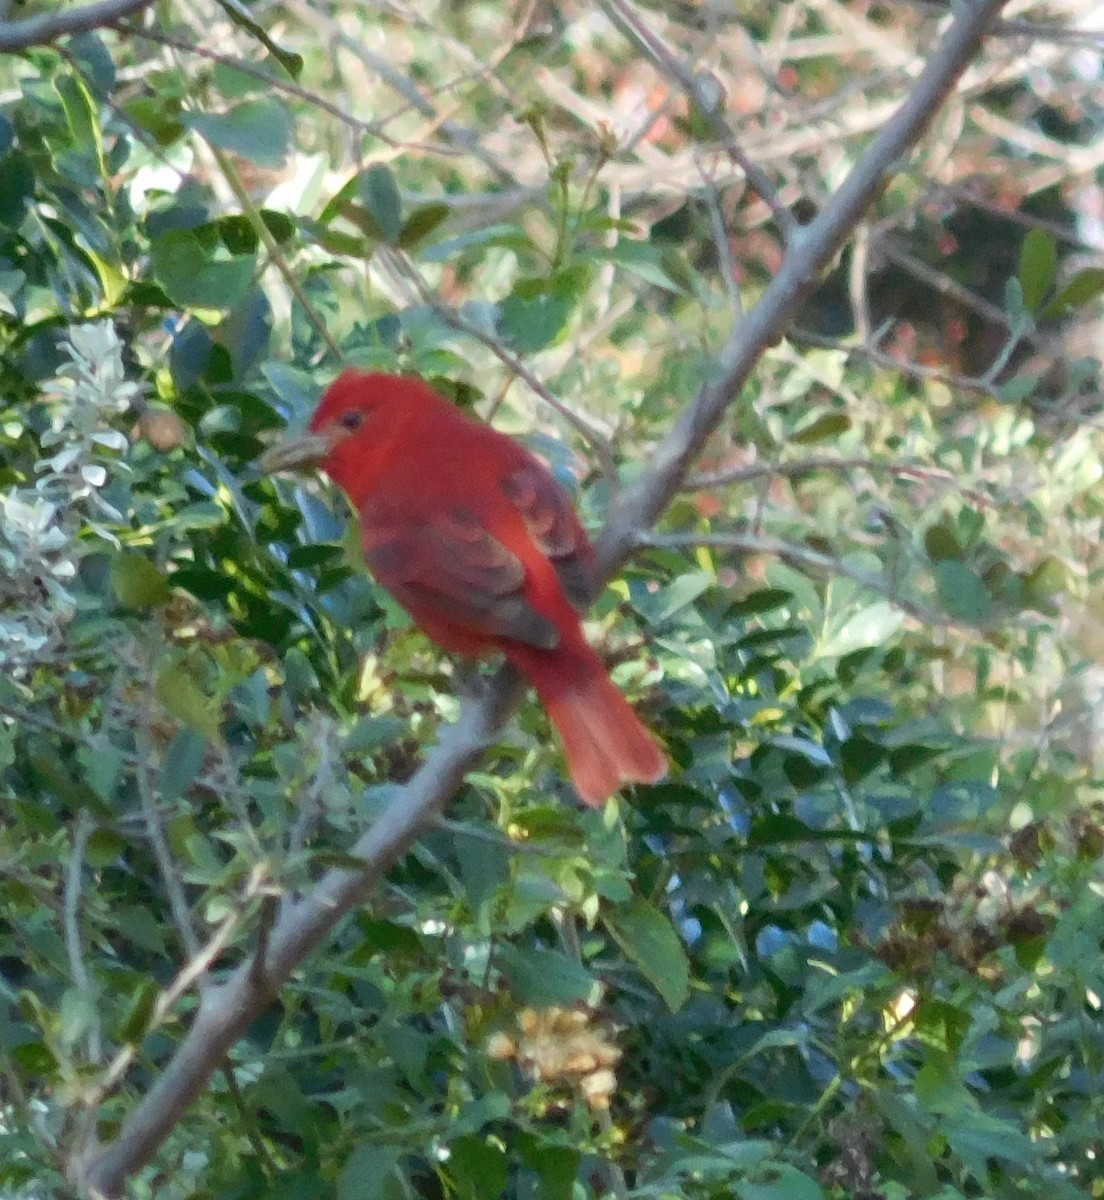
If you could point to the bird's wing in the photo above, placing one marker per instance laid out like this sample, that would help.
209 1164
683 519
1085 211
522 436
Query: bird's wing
448 570
556 529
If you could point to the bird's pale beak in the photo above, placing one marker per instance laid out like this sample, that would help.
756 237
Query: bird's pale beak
295 452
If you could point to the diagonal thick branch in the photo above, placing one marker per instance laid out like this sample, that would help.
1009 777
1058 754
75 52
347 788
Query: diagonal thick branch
47 28
226 1011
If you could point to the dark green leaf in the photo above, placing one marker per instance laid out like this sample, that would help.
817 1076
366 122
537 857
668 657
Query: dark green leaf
366 1171
193 277
532 318
763 601
380 194
649 940
421 223
17 182
962 592
543 977
478 1168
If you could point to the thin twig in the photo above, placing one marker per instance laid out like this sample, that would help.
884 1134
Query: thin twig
637 507
914 370
194 970
275 253
806 466
166 865
804 557
47 28
707 96
271 80
945 285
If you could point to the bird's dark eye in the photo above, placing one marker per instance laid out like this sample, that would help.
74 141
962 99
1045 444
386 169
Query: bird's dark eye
352 420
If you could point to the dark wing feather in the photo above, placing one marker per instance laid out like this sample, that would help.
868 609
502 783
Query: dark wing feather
450 570
556 529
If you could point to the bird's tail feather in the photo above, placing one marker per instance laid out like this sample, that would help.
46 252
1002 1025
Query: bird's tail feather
605 742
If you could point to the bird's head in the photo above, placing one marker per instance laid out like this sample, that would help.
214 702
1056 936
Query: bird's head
350 411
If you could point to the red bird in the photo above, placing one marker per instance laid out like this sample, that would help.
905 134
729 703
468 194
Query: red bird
478 542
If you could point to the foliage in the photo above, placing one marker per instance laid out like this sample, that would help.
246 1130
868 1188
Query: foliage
852 946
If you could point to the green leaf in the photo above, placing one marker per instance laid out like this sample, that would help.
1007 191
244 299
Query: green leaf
1038 267
194 277
139 1009
778 1181
871 626
258 130
421 223
82 115
763 601
137 583
475 1114
533 317
1083 288
976 1137
366 1171
941 543
680 593
543 977
556 1168
478 1168
648 262
239 14
649 940
182 763
17 183
380 194
941 1024
1048 579
962 592
821 428
184 699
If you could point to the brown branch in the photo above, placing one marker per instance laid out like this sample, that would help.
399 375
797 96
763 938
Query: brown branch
707 96
903 366
806 466
226 1011
41 31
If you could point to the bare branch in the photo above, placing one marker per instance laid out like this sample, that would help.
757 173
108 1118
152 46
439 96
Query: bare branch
41 31
190 974
166 867
707 96
226 1011
806 466
914 370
